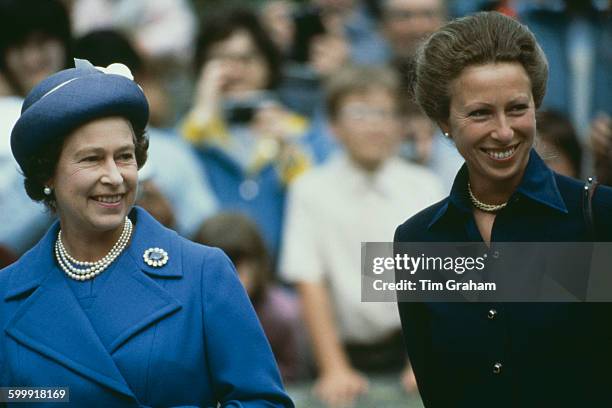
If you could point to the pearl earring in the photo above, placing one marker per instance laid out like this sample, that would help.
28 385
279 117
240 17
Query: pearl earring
446 134
47 190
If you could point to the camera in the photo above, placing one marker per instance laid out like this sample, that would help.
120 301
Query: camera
242 111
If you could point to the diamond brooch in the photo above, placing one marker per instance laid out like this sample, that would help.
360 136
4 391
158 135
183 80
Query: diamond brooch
155 257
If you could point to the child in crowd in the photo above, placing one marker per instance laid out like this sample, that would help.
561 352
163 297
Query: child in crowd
276 307
360 195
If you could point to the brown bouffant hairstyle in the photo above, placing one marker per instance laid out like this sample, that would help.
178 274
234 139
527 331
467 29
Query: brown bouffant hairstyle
482 38
40 168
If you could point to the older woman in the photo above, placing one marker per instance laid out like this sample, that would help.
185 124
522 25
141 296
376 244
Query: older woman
109 303
481 79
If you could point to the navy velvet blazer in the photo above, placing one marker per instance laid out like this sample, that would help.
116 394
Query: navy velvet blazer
184 334
526 355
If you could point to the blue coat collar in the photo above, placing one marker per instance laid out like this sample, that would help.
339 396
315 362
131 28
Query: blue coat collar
148 233
538 184
51 322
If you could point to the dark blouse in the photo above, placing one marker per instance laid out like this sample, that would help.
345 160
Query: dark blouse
512 354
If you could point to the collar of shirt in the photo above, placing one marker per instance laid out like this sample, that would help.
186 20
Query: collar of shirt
382 180
538 184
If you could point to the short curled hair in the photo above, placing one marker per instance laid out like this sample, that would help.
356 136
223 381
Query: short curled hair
40 167
482 38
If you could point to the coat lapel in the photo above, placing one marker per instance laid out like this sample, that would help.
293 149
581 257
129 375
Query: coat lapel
51 321
131 300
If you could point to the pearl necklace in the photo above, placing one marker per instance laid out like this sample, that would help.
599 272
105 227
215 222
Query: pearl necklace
93 269
483 206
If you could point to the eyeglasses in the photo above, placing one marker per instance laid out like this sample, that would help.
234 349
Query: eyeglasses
362 113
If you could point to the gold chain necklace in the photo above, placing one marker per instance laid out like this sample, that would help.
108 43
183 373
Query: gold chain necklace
483 206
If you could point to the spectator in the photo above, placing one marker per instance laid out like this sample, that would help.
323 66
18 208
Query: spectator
249 144
328 35
34 43
158 28
277 309
351 199
558 143
405 23
277 18
425 145
347 19
175 188
601 141
162 32
151 198
577 38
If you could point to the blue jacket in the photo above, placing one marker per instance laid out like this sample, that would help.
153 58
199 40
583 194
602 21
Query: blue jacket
261 196
184 334
550 354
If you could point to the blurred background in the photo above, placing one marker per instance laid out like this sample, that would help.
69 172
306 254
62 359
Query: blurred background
251 103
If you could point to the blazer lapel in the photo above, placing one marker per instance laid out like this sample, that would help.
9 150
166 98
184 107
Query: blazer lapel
51 321
130 301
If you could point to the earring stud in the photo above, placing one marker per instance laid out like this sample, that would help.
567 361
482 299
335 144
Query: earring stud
47 190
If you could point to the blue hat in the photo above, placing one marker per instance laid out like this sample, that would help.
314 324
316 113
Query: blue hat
72 97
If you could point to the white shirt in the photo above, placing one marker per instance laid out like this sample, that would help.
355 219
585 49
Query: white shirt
330 211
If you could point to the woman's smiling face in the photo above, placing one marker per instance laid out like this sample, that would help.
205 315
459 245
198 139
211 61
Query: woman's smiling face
96 177
492 121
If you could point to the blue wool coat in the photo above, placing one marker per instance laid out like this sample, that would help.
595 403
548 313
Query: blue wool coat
184 334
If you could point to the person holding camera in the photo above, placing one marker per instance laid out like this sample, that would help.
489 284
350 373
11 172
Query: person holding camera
249 144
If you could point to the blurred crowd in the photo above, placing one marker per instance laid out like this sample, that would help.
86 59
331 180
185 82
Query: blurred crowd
284 133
